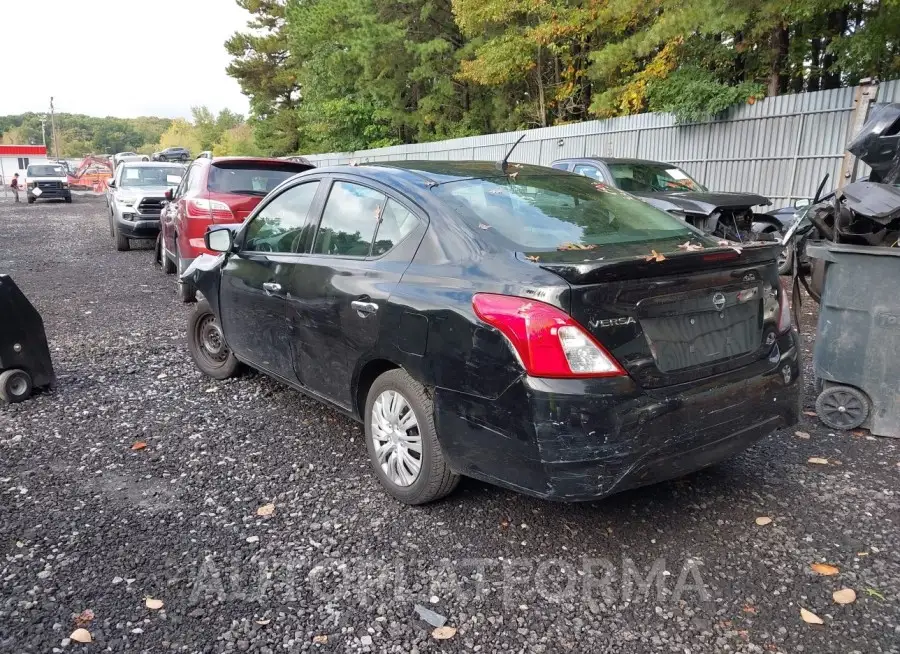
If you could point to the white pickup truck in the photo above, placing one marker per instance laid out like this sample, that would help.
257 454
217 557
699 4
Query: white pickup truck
46 182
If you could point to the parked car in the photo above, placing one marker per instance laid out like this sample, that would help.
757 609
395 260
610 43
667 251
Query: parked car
172 154
135 198
668 187
533 329
122 157
216 190
47 182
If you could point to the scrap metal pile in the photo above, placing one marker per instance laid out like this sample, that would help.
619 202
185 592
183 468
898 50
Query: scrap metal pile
868 212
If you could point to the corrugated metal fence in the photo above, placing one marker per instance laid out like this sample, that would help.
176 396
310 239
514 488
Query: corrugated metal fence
780 147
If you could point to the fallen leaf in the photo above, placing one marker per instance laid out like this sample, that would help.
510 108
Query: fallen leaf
84 618
801 434
513 175
728 244
874 593
504 523
862 554
139 445
844 596
654 256
818 460
763 520
825 569
483 226
812 414
576 246
81 636
265 510
153 604
858 432
744 634
443 633
749 609
687 246
263 622
809 617
531 258
320 640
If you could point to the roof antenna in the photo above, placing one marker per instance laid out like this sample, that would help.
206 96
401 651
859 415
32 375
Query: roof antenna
503 163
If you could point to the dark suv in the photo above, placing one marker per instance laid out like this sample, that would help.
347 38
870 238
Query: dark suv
526 326
172 154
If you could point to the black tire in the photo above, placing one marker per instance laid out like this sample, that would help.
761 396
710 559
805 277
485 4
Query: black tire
122 242
157 251
161 157
435 478
15 386
785 260
184 288
184 157
145 158
68 199
30 200
207 344
112 229
842 407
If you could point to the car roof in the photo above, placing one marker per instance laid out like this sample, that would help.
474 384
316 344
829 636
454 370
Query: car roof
439 172
614 160
152 164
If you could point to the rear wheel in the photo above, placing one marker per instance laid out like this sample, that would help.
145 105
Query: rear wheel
207 344
786 259
185 288
162 157
402 441
842 407
15 386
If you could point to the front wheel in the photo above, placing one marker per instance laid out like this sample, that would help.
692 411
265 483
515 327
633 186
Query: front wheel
122 242
786 259
402 441
68 199
207 345
15 386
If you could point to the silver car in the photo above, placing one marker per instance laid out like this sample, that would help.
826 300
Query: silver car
122 157
135 196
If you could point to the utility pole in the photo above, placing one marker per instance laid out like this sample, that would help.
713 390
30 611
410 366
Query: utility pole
44 131
53 129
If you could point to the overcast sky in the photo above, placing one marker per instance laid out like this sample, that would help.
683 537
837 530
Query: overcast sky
118 57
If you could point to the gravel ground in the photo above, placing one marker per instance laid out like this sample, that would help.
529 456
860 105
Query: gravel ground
88 522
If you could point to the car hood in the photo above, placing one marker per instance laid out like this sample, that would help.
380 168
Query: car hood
703 203
143 191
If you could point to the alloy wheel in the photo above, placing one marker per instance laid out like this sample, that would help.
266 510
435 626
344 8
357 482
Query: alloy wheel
397 439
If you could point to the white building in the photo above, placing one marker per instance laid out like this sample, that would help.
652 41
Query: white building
17 158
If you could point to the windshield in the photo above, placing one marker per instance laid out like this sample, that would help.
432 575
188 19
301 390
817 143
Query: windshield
249 178
151 176
46 171
563 212
652 178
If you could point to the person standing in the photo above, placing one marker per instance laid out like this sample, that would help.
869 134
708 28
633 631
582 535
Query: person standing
14 185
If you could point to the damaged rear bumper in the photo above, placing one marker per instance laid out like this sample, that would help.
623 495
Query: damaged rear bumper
568 439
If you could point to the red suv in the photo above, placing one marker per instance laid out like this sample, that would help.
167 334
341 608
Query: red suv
217 191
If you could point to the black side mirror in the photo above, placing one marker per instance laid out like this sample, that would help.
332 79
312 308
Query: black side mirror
168 195
219 239
111 182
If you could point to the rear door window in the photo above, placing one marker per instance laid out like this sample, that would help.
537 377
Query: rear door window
592 172
281 226
352 213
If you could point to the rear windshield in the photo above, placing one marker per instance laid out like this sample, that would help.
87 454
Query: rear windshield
249 178
561 212
152 176
46 171
648 177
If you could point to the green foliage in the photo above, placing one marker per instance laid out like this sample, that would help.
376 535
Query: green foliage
693 94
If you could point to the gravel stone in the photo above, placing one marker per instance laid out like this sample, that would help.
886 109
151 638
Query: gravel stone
171 520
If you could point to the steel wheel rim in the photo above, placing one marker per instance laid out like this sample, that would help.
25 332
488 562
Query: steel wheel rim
397 438
843 408
211 340
18 386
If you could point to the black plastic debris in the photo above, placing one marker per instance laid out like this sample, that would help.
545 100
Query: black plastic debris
24 355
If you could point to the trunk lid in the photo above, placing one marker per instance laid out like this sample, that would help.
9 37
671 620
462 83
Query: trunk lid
685 318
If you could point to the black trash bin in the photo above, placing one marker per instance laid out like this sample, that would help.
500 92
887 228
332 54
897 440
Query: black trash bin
24 355
857 351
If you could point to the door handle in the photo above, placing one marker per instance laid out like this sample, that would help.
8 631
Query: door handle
271 287
364 308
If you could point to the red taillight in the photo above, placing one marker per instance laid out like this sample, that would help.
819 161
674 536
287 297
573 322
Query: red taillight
784 306
548 341
218 211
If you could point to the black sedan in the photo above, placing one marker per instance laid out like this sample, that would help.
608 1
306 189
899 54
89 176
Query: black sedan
517 324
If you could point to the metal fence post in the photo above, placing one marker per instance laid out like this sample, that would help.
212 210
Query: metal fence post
797 147
865 95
